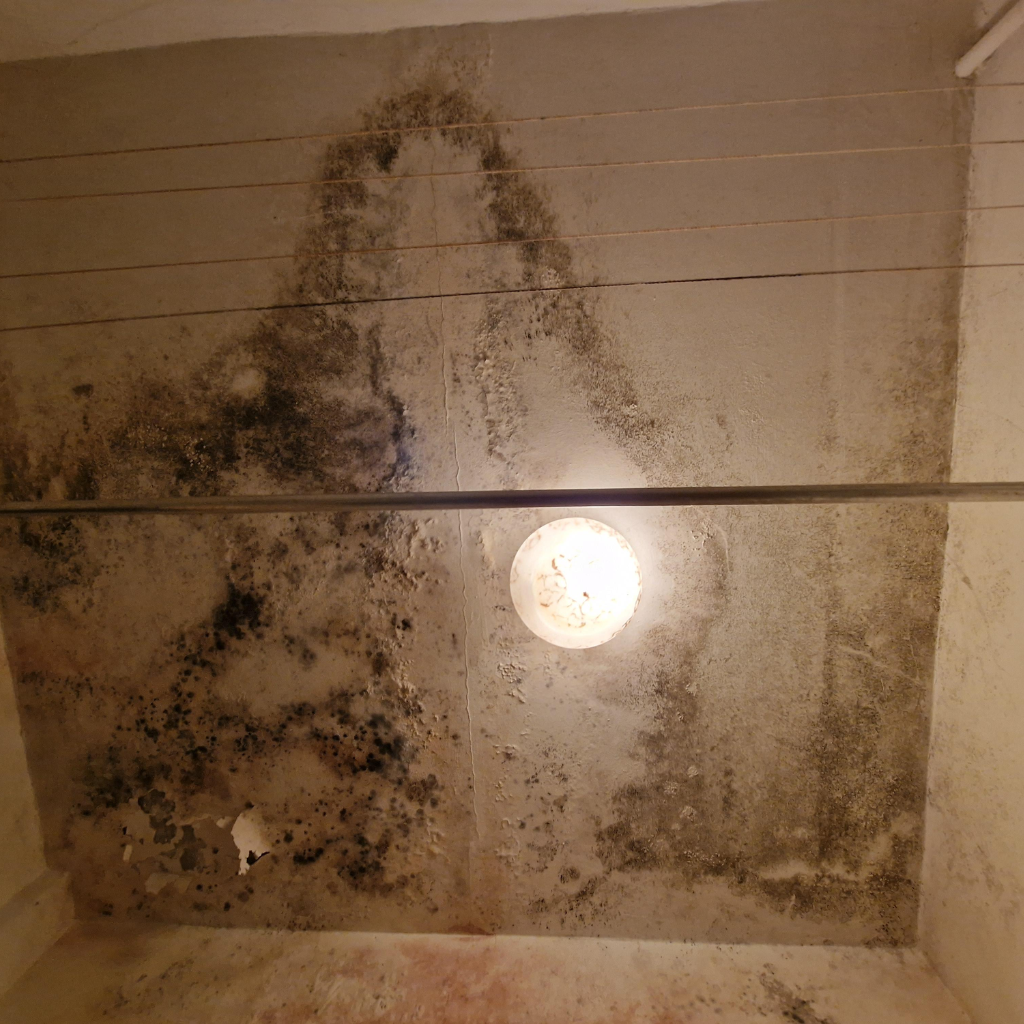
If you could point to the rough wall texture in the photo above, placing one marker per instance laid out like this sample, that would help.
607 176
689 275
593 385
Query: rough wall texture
325 721
972 915
187 975
23 840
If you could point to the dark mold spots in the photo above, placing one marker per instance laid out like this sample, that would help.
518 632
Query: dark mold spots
887 895
790 1005
51 558
303 398
584 894
348 745
579 906
108 783
516 212
423 791
839 840
82 391
160 810
355 823
241 611
181 736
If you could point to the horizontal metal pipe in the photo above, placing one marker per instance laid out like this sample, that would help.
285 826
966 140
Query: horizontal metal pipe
439 501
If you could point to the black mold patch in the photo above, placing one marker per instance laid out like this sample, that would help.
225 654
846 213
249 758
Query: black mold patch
366 806
692 815
792 1006
242 611
262 404
302 401
305 401
515 211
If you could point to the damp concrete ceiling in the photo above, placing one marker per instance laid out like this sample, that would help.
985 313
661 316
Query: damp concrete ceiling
716 247
52 28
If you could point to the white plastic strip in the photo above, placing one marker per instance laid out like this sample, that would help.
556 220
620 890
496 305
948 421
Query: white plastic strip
980 52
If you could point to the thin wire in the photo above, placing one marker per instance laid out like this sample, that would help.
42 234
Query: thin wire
438 501
427 296
498 172
503 122
346 253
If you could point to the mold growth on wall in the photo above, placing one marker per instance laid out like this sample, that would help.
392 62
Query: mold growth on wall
300 667
266 719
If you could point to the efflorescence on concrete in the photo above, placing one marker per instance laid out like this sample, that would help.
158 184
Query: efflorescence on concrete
309 672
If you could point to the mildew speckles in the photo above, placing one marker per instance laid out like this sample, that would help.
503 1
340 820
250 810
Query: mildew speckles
512 209
276 661
350 826
745 762
335 779
792 1006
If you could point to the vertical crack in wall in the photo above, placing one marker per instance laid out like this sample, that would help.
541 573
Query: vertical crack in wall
465 655
450 427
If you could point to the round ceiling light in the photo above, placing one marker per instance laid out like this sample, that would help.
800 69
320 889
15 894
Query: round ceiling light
575 582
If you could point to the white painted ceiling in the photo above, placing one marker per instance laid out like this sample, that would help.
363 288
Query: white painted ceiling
50 28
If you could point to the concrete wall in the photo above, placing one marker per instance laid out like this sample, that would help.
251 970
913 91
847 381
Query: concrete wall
973 905
717 245
51 28
35 903
19 820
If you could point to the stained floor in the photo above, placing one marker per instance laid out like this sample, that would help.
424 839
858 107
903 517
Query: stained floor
717 246
174 975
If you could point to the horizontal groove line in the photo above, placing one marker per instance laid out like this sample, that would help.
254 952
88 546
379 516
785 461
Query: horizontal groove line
597 286
503 122
541 168
312 254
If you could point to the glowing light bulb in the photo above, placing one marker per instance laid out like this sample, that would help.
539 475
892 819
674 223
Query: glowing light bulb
575 582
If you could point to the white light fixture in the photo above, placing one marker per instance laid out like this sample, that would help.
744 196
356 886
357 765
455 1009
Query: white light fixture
575 582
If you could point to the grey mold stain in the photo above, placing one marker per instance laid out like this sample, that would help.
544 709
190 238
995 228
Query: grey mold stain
308 400
792 1007
304 401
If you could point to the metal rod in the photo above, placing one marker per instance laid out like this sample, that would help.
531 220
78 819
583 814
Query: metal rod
799 494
